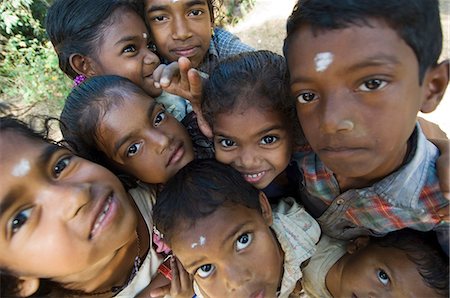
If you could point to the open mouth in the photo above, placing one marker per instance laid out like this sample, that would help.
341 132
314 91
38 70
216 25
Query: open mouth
254 177
101 217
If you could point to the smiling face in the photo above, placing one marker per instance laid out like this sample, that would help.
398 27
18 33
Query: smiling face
224 255
144 140
255 141
62 217
180 28
376 271
124 51
358 96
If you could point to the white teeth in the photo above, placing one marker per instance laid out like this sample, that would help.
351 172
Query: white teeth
101 216
254 175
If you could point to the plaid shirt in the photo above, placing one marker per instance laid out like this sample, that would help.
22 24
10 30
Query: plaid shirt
409 197
223 44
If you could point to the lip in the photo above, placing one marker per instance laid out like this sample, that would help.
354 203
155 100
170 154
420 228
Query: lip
254 176
257 294
187 51
340 152
103 215
177 154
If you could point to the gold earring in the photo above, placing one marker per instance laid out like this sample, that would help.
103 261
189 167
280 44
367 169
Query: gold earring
212 31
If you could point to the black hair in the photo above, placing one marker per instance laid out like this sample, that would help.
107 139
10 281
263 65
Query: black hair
85 107
37 128
74 26
198 190
417 22
257 78
423 249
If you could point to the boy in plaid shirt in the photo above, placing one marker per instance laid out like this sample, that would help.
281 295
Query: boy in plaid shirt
360 71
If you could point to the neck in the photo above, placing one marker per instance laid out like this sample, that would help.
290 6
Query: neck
116 269
334 276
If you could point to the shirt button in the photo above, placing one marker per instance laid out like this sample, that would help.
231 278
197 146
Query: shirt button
340 201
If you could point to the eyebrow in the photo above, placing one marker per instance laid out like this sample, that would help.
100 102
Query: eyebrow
47 154
154 8
126 38
227 238
126 137
41 161
376 60
261 132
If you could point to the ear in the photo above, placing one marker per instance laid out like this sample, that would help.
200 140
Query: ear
266 210
83 65
28 286
357 244
435 82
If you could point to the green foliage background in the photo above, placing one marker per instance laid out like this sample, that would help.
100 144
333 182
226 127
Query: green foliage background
30 78
29 73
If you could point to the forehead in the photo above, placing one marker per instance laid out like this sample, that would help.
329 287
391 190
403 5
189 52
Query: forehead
209 233
123 21
351 45
15 147
254 118
176 3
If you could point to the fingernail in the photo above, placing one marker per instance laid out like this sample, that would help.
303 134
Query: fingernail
164 81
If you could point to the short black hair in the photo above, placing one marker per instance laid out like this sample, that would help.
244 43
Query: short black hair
257 78
423 249
198 190
417 22
74 26
85 106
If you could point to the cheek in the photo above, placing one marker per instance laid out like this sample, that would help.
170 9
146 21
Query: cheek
224 156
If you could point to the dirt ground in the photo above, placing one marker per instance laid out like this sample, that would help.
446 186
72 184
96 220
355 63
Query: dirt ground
264 28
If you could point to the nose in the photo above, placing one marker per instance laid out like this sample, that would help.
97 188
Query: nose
248 158
336 116
65 199
180 29
236 276
151 58
159 140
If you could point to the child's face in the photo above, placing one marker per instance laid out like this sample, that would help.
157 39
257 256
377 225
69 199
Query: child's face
61 217
255 142
144 140
180 28
358 96
376 271
232 258
124 51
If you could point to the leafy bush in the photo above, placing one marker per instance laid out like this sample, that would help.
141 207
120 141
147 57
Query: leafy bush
29 76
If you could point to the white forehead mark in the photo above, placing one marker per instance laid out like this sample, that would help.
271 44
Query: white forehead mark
323 60
21 169
144 35
174 1
201 242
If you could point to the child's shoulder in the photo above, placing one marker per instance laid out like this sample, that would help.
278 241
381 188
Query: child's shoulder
227 44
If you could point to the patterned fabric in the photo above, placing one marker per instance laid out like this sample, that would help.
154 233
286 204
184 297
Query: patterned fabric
409 197
143 199
329 251
203 147
297 232
175 105
223 44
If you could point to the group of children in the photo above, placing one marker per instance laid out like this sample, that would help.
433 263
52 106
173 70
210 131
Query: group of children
313 164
